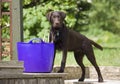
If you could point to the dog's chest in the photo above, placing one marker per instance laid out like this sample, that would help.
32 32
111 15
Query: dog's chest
58 40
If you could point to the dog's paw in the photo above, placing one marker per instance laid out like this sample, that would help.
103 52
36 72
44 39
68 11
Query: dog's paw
100 80
60 71
81 79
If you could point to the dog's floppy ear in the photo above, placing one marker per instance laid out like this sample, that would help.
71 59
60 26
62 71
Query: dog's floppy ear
63 15
49 15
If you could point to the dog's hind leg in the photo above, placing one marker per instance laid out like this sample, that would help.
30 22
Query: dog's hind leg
79 59
91 58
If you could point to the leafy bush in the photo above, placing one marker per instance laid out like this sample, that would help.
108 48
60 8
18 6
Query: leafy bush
5 21
104 22
36 24
99 20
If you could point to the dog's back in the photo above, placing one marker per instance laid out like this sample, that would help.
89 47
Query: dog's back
76 40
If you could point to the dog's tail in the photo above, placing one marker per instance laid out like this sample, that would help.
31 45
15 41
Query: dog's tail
96 45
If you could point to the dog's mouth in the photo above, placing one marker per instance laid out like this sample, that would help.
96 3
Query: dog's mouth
56 25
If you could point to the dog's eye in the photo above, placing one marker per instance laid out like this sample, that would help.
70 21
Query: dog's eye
54 16
58 16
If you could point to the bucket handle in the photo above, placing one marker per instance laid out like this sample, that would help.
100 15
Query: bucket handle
37 40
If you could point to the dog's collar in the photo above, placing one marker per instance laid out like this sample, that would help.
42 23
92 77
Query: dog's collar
58 33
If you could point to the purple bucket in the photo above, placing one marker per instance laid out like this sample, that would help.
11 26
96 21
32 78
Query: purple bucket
37 57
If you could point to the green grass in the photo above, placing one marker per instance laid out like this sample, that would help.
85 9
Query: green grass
107 57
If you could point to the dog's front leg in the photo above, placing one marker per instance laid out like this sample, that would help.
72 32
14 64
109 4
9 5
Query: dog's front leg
54 57
63 62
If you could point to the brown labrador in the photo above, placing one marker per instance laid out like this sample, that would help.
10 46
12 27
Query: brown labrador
69 40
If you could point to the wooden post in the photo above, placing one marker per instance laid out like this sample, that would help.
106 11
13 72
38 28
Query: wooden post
17 26
0 32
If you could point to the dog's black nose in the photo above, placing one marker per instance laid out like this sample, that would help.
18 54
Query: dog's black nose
57 23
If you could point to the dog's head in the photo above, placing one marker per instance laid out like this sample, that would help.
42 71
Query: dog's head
56 18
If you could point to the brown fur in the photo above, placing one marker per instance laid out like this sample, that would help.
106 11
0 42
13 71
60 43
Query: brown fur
69 40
